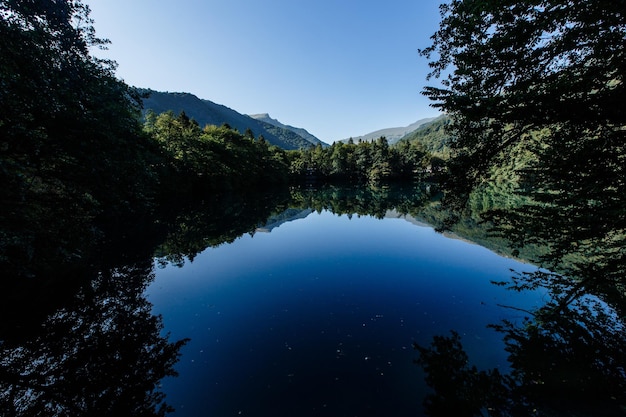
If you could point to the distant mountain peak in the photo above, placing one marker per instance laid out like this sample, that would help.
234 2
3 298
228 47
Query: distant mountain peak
261 116
265 117
393 134
207 112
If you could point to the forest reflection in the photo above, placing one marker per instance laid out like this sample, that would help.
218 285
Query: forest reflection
102 353
211 223
568 356
99 350
79 338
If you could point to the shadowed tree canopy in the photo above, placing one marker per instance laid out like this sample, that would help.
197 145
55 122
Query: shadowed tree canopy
543 79
68 126
512 68
70 137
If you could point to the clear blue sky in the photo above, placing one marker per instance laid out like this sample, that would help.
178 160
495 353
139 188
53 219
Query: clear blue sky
337 68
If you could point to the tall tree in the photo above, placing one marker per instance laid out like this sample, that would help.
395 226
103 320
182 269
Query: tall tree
71 146
510 68
544 79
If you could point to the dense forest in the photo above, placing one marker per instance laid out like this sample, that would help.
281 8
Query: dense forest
533 145
78 161
364 162
221 158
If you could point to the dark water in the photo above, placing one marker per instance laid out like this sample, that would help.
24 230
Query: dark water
301 302
317 315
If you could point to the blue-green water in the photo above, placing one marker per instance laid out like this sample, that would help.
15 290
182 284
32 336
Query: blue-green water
318 316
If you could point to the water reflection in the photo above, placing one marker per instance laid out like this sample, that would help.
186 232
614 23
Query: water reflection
567 356
318 317
78 336
213 222
99 349
566 359
101 354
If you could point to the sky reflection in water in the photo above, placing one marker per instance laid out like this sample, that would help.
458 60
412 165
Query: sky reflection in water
318 317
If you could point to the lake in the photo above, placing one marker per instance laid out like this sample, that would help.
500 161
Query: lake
324 302
316 312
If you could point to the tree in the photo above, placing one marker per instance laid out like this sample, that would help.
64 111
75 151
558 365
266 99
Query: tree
71 148
543 79
512 68
381 168
63 114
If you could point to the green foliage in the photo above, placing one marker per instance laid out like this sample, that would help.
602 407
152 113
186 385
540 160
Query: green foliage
213 158
522 67
373 162
534 93
71 148
433 137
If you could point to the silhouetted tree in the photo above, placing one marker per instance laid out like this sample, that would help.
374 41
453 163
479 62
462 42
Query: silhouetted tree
514 69
72 153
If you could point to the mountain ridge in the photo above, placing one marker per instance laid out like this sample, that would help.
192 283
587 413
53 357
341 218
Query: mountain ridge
393 134
265 117
206 112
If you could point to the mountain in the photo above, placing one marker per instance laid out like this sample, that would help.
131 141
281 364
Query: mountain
433 136
206 112
393 134
299 131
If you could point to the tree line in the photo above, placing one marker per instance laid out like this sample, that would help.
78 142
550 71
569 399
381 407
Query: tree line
218 158
374 162
212 158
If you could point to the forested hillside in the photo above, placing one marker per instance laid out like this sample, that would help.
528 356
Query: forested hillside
432 136
206 112
76 159
264 117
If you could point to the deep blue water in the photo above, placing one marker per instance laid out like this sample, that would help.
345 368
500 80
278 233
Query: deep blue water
318 317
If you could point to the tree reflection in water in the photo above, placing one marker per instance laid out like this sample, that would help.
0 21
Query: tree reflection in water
100 351
102 355
566 359
91 346
568 356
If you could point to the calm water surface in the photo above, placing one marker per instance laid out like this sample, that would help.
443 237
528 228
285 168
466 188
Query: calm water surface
318 316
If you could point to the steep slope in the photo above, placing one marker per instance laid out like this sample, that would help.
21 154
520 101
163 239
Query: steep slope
433 136
264 117
393 134
207 112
